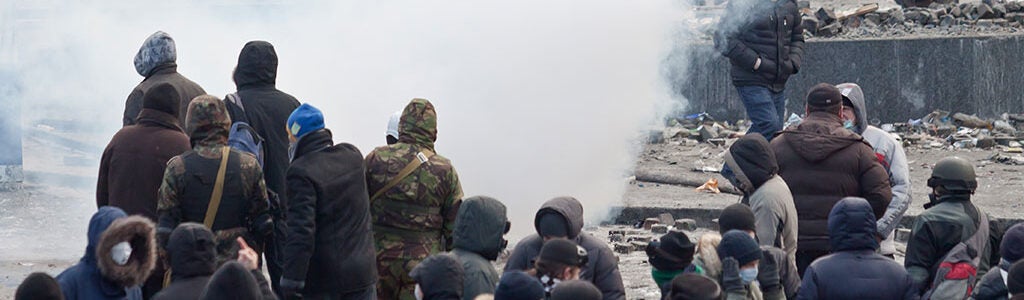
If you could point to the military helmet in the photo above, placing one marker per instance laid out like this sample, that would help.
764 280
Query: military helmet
955 175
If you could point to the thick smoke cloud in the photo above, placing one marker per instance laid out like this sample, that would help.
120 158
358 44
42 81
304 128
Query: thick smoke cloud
536 99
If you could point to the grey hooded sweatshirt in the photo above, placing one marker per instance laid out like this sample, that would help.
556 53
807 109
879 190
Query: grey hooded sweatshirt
887 147
477 240
602 268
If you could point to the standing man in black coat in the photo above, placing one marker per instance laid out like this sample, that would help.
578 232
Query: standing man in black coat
764 41
329 252
266 109
157 62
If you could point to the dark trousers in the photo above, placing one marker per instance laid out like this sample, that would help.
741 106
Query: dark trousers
275 258
767 113
804 258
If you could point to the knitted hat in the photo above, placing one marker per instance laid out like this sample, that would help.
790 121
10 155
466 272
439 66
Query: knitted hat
737 216
673 251
518 285
38 286
1012 247
691 286
563 251
163 97
305 119
1015 279
575 290
740 246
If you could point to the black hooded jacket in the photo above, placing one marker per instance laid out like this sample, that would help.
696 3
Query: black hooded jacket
266 109
478 241
854 270
330 241
440 277
602 268
822 163
193 255
233 282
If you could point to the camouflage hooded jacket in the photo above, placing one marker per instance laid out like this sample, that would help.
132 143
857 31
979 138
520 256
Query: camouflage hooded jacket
207 126
421 208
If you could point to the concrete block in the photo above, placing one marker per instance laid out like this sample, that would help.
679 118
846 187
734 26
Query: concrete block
650 222
666 218
902 235
623 248
614 238
686 224
659 229
638 246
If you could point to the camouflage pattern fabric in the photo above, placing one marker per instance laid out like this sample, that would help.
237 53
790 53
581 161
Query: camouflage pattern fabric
158 49
208 125
415 218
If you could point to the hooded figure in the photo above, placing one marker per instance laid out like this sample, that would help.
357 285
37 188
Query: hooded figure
575 290
156 62
328 251
193 253
602 267
478 240
233 282
822 163
190 179
992 286
854 270
414 217
756 172
266 109
119 257
439 277
894 159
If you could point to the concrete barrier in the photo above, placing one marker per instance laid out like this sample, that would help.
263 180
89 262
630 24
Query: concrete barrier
902 78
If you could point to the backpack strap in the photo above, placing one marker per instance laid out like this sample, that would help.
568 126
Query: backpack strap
980 237
421 157
218 189
234 98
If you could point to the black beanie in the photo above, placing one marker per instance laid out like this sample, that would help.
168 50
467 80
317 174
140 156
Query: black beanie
691 286
39 286
563 251
1012 247
739 245
163 97
736 217
673 251
575 290
1015 279
517 285
824 97
552 224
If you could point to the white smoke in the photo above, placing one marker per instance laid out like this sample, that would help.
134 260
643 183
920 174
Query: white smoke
536 99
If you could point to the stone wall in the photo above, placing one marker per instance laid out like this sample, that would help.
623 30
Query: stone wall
902 78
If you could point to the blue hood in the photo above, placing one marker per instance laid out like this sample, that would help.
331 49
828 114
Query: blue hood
99 223
851 225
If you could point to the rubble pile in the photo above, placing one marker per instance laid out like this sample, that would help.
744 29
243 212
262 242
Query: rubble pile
698 128
936 18
625 241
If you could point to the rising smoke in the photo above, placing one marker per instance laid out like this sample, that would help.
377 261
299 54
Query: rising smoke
535 99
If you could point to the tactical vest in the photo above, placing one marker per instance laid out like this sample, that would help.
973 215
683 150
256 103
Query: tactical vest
200 176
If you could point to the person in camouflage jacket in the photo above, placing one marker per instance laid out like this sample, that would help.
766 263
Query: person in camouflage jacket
416 217
185 193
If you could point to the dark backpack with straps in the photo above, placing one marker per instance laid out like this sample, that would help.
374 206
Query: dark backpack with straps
958 271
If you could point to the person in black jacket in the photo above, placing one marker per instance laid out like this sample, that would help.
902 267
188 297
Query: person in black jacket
193 253
266 109
764 42
156 61
329 252
992 286
854 270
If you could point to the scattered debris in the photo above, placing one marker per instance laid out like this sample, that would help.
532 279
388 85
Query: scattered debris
710 186
902 235
686 224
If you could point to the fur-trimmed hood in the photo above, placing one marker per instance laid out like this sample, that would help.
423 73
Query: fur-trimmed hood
140 233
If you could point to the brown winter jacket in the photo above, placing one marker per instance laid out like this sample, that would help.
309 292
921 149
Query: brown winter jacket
132 166
822 162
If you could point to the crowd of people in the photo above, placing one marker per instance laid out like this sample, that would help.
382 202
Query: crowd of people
196 195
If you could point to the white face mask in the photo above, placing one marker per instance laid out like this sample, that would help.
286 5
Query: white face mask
121 253
418 293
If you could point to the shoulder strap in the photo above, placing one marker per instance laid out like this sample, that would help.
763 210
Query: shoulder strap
980 237
421 157
218 189
234 98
